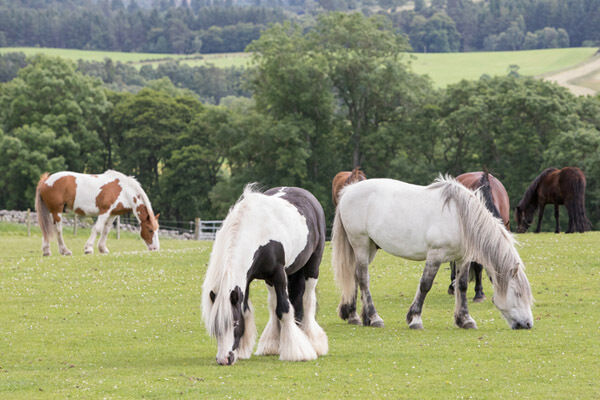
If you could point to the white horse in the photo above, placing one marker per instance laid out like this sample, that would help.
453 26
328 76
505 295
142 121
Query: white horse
105 195
277 236
438 223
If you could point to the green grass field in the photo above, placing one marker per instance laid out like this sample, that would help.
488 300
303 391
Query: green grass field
443 68
128 325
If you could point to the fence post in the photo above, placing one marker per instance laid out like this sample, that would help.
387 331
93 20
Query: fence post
118 227
75 221
197 228
28 222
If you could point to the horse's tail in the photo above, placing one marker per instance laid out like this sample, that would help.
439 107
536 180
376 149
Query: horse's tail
576 207
43 214
344 266
486 192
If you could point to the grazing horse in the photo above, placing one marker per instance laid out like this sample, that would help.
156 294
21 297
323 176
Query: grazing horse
438 223
106 195
345 178
277 236
556 186
496 200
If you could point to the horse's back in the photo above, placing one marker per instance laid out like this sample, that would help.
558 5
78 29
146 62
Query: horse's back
401 218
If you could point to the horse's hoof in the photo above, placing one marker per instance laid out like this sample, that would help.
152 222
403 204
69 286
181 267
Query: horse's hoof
468 323
451 290
479 299
103 251
416 322
88 251
377 323
66 252
354 320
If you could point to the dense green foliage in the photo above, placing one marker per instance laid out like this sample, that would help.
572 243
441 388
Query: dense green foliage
323 100
128 325
226 26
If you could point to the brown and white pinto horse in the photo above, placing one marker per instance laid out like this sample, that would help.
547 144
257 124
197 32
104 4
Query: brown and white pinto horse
106 195
345 178
498 203
555 186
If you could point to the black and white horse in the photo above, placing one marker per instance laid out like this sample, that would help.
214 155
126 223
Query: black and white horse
277 236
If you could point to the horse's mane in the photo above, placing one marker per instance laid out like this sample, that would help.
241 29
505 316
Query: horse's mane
484 236
486 192
219 276
531 191
136 185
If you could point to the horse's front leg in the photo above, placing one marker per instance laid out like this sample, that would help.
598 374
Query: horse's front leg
461 311
369 313
540 216
477 270
96 229
294 345
413 317
556 215
102 242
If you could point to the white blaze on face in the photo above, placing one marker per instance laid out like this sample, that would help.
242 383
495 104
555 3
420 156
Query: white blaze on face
155 244
225 344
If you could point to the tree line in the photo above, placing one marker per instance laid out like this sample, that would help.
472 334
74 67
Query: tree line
222 26
322 100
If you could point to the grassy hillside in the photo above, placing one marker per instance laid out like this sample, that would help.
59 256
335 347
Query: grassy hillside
128 325
443 68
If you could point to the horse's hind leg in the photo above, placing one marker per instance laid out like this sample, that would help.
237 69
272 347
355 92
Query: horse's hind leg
479 295
316 334
556 217
461 312
102 242
364 255
413 317
452 278
62 247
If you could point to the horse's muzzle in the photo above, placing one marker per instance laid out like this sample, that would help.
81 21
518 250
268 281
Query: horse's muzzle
522 325
227 361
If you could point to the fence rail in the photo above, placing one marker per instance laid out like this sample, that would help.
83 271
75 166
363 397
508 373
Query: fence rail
197 229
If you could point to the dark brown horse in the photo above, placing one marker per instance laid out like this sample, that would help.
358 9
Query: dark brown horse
555 186
344 178
496 200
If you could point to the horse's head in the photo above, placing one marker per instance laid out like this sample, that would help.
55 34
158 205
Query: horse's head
515 304
148 227
229 319
524 217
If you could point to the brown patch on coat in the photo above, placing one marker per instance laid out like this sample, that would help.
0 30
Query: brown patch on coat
345 178
109 193
59 196
120 209
79 211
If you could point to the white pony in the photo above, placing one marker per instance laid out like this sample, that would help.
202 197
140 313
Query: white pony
438 223
105 195
277 236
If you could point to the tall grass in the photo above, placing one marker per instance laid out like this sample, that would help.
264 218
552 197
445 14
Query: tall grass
128 325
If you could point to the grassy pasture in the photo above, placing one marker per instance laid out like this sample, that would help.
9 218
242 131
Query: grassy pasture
443 68
128 325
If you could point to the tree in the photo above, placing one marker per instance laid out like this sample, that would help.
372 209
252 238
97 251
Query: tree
50 94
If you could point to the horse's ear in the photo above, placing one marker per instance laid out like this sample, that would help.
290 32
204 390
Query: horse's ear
157 215
213 296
